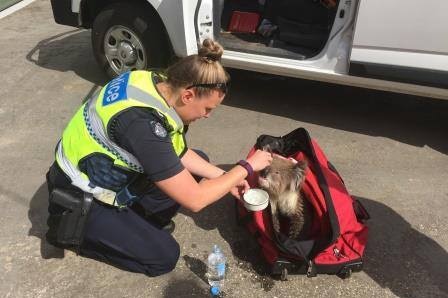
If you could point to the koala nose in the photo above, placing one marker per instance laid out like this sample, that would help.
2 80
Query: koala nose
263 173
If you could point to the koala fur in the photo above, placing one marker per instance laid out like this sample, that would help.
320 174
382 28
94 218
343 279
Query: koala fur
283 180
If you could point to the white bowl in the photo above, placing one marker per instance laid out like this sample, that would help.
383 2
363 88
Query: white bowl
256 199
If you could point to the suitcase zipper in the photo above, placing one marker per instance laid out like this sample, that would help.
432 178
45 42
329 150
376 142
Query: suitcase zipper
338 253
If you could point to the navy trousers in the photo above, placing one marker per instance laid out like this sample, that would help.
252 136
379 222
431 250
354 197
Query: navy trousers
128 240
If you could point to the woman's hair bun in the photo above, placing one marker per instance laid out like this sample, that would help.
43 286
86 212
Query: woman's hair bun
211 50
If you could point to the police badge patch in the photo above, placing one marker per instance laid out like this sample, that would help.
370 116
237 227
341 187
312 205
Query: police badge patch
158 129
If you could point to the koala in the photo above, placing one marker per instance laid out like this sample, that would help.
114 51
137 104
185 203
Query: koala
283 180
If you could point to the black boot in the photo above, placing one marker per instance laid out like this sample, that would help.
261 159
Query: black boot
154 218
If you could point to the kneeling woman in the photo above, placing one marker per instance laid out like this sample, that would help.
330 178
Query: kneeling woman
123 169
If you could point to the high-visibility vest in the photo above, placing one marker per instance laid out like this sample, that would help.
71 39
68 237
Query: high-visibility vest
86 133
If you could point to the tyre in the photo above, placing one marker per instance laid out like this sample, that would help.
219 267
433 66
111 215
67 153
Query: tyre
129 36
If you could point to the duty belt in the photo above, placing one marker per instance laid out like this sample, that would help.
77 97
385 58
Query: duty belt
76 176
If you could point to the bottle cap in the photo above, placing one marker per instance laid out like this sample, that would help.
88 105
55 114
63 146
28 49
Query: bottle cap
214 291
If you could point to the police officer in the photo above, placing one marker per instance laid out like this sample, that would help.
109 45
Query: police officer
123 168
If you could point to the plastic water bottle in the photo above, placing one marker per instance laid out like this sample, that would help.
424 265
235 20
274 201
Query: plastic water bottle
216 270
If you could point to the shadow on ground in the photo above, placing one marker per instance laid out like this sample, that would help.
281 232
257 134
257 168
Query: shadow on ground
408 119
38 214
184 288
400 257
397 257
69 51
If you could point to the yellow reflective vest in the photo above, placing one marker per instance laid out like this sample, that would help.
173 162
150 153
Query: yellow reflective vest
86 133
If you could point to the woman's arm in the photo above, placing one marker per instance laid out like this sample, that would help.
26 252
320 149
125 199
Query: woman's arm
194 196
196 165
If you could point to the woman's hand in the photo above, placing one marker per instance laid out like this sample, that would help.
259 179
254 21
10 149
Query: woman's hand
240 189
260 160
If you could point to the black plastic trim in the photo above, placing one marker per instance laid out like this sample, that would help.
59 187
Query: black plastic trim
302 267
196 29
62 13
354 265
410 75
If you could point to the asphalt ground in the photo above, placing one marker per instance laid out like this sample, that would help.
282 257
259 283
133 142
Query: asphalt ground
391 150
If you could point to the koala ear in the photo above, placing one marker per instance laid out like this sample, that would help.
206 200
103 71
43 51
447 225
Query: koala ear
299 174
295 183
301 166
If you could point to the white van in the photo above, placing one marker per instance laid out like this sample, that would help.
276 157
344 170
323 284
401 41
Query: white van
399 46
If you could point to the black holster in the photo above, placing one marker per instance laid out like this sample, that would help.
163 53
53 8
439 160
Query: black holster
72 221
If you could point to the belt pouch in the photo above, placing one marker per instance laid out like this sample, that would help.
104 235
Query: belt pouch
73 219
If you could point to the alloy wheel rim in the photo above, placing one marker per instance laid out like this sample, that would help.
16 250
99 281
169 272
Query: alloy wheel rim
123 50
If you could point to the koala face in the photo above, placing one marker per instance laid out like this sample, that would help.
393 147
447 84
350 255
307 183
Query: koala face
281 176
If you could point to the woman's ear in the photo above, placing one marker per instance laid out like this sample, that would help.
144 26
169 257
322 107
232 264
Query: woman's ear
187 96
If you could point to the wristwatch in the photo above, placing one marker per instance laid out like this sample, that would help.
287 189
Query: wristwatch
247 166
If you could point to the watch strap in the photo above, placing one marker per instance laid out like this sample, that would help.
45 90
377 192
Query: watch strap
247 166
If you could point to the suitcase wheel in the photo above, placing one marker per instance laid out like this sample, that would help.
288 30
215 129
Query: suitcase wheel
284 274
346 273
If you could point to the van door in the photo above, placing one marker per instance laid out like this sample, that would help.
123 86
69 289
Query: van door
204 18
331 64
403 41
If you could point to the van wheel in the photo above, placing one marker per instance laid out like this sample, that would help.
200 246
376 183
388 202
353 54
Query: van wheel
129 37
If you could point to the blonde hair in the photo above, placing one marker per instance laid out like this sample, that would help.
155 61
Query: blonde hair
203 68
